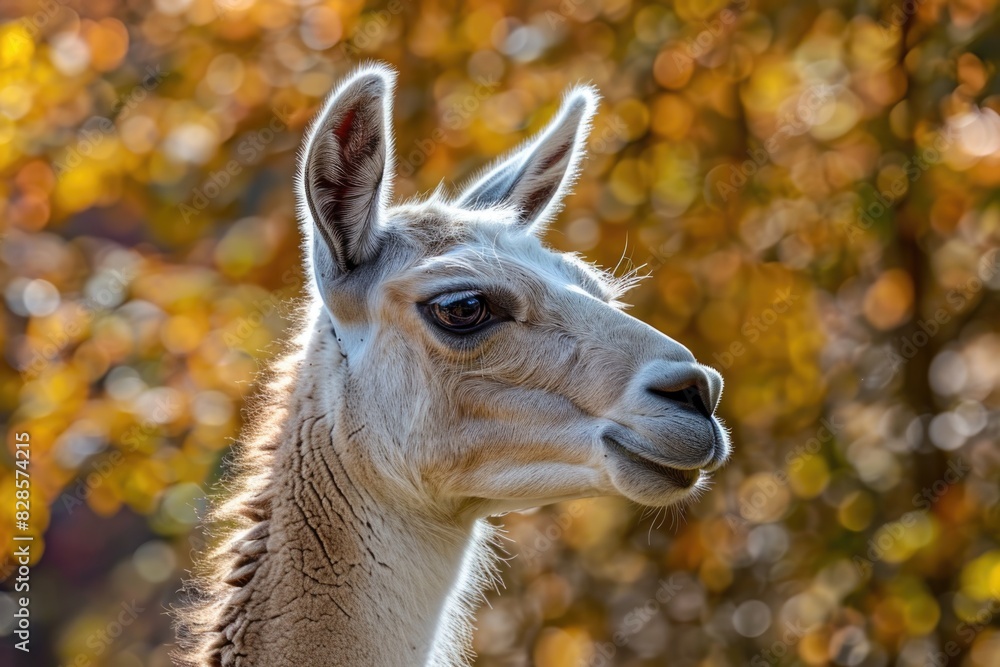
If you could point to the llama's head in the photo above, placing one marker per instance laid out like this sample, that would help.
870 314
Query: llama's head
485 372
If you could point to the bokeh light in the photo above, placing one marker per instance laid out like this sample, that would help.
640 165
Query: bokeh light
811 187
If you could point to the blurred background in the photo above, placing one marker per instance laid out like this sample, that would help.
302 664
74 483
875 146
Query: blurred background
812 187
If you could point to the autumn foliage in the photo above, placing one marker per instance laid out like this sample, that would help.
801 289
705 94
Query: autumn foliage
812 188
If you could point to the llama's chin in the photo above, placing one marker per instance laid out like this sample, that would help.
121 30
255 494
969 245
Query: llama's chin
649 482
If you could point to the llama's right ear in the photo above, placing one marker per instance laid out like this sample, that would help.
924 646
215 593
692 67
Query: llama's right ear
345 177
534 179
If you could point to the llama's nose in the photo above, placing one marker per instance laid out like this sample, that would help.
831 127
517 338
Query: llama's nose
689 385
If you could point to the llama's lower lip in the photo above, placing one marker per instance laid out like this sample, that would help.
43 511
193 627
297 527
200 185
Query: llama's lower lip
683 479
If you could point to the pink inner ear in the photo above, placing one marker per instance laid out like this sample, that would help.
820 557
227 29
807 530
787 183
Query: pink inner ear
554 159
346 124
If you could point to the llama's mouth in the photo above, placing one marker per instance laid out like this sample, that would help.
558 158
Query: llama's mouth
683 479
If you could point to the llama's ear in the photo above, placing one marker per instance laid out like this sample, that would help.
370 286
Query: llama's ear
345 176
534 178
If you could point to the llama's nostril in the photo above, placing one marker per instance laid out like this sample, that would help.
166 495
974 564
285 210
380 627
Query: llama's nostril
688 396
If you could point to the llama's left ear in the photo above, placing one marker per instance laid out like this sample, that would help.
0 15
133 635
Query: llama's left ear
534 178
345 177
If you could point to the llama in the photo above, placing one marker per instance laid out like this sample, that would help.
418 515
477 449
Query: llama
449 367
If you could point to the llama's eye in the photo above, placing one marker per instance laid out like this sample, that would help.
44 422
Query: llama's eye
463 312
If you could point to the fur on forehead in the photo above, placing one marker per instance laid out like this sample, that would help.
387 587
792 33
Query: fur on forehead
436 231
437 223
448 236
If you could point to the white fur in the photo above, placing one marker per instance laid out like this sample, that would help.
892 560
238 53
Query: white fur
387 441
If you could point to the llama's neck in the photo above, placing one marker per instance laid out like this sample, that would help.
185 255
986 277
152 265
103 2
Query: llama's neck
344 579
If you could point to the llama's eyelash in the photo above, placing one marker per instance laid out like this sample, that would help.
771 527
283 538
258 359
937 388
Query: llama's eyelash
463 340
505 300
457 294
